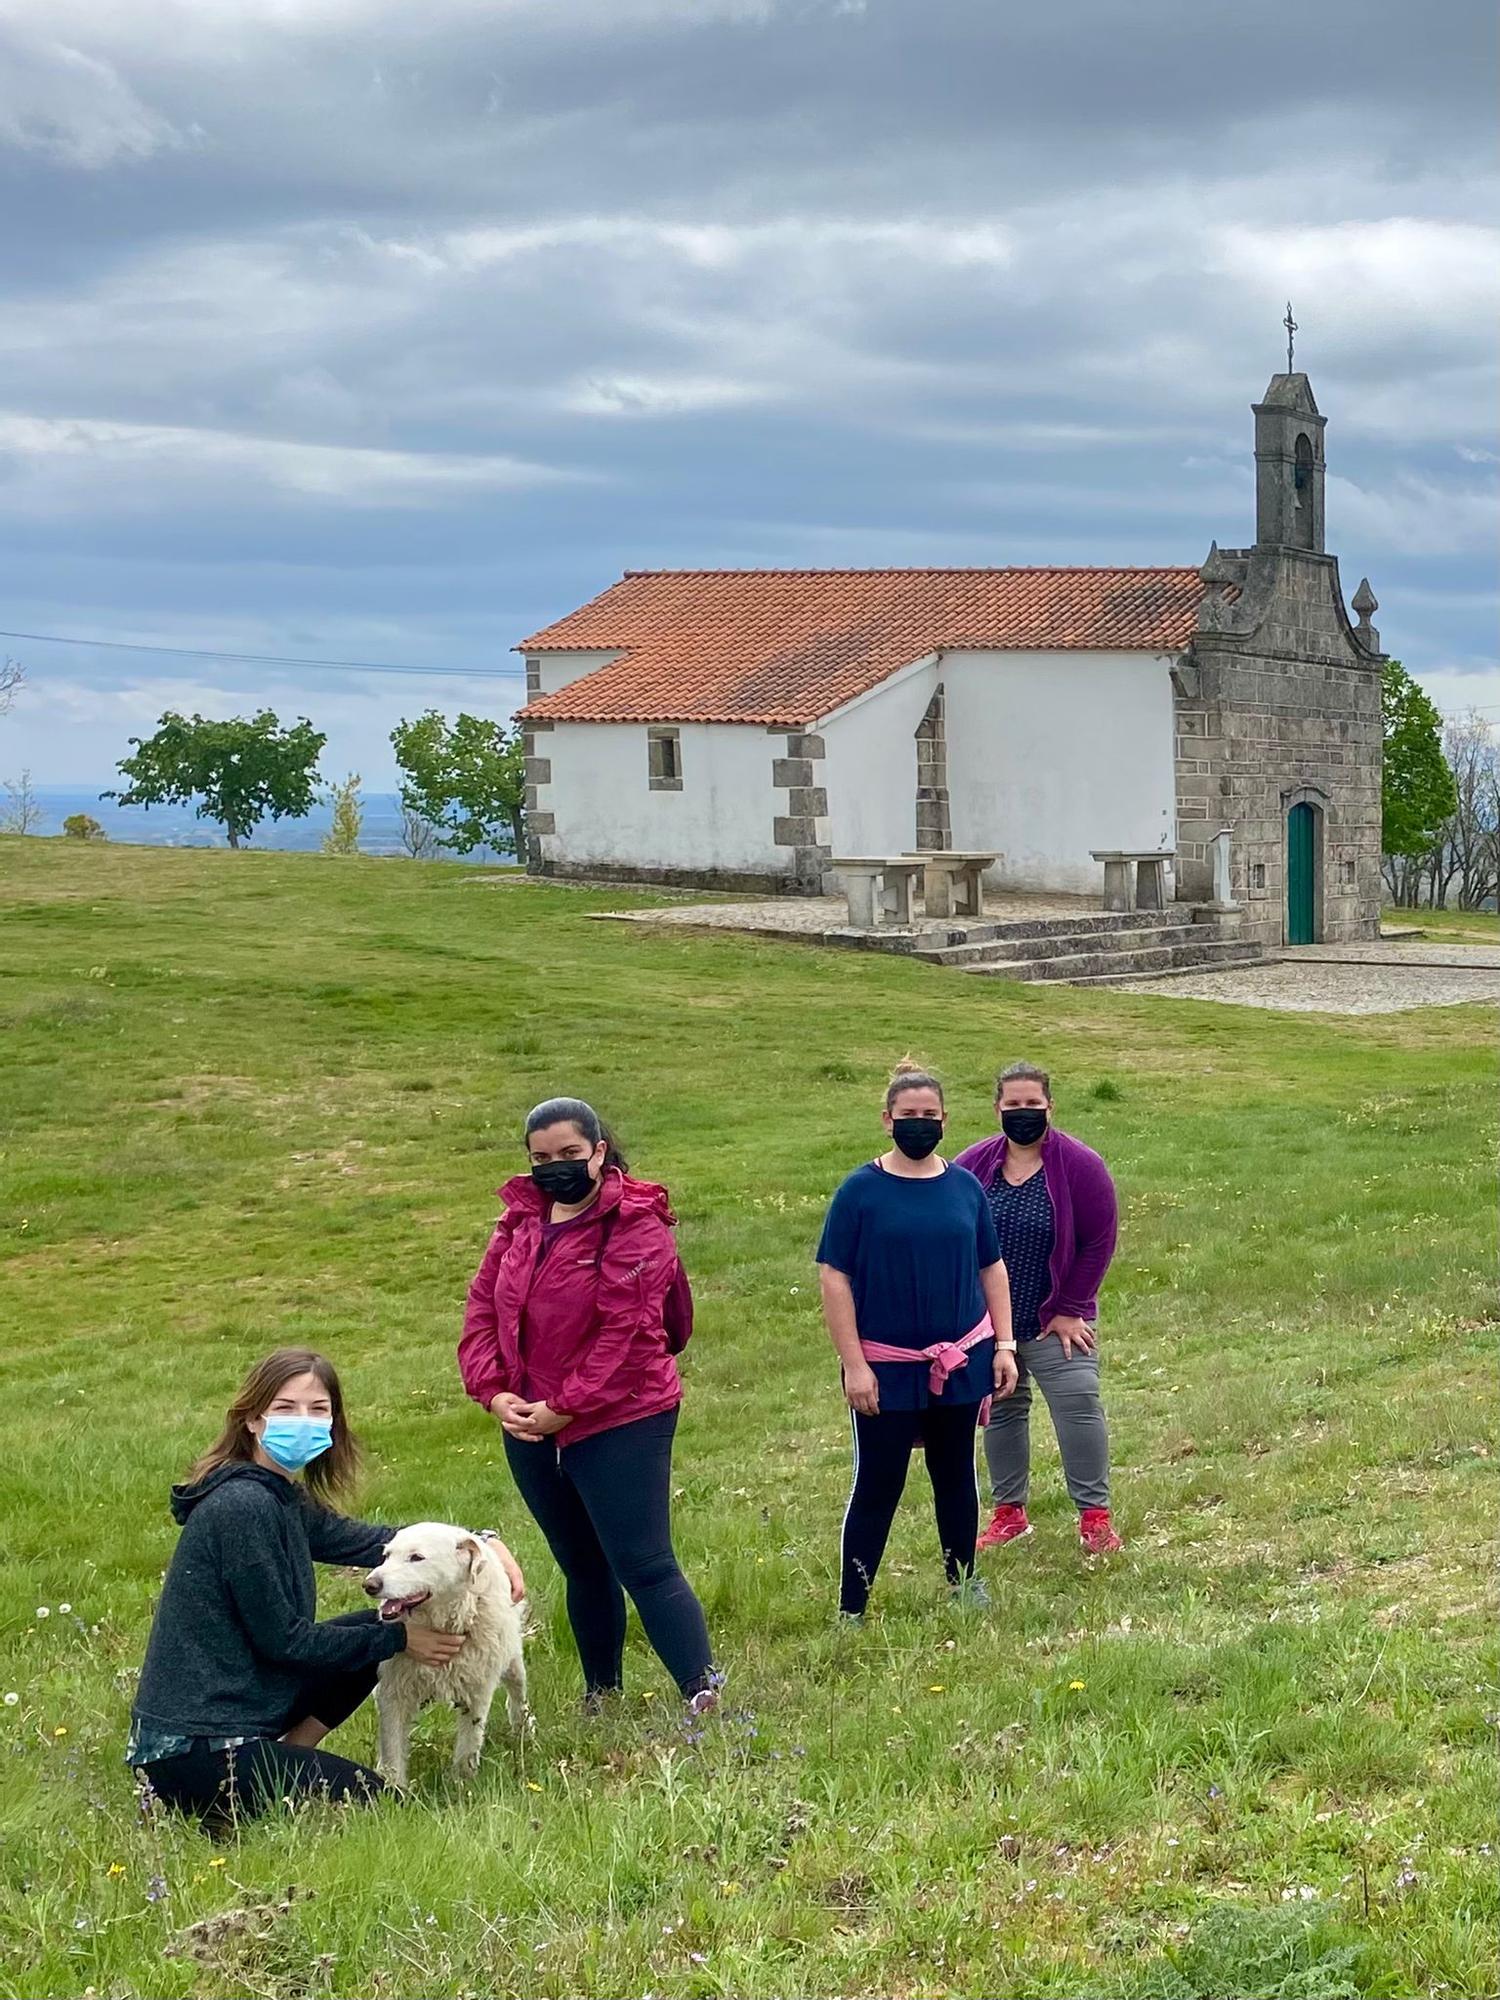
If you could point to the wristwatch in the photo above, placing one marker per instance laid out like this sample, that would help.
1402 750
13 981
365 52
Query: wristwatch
1005 1346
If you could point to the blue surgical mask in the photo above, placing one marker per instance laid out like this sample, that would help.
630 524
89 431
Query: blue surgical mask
296 1441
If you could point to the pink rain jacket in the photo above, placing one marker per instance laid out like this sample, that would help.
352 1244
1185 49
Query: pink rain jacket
579 1327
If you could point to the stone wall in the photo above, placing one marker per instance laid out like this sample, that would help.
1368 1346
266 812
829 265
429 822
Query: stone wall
803 826
934 817
1278 703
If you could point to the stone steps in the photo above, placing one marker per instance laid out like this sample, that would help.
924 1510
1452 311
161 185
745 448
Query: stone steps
1108 962
1065 939
972 931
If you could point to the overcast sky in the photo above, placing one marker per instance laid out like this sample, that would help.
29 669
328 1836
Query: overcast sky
365 330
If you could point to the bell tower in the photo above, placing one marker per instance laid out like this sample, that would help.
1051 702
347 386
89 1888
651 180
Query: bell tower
1289 466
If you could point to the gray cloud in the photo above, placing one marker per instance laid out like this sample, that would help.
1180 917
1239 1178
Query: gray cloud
343 327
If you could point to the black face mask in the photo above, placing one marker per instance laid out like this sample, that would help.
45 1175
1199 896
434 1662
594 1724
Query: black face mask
1025 1125
567 1181
917 1137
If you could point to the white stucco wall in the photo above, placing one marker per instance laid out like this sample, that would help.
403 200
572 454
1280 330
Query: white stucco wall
1053 754
870 765
560 670
608 816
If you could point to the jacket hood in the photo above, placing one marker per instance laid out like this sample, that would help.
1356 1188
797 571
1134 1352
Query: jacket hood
186 1498
622 1191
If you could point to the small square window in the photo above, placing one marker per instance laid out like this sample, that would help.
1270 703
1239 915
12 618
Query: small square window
1258 875
664 759
1348 868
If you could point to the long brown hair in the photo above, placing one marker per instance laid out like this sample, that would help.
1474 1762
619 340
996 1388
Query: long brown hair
327 1477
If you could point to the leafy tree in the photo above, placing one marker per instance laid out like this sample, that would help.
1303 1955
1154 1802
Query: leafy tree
83 826
241 770
1417 790
348 816
467 779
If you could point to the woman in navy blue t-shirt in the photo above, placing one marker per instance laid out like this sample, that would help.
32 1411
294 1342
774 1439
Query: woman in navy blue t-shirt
917 1305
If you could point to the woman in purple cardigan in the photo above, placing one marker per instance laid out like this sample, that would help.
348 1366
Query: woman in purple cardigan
1054 1208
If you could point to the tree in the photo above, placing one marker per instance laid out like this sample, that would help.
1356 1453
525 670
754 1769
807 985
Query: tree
83 826
1417 792
348 816
12 679
467 779
418 838
23 810
241 770
1467 848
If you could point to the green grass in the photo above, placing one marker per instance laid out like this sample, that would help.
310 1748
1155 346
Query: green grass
1448 926
252 1098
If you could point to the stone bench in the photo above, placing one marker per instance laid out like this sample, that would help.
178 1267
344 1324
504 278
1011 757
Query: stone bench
1150 884
953 883
880 888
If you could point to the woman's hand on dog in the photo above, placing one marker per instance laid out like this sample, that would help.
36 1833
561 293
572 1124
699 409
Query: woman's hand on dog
433 1649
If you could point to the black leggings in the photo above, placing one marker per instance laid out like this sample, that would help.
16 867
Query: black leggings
882 1452
262 1772
603 1506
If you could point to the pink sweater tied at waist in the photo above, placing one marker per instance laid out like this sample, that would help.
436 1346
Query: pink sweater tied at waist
943 1356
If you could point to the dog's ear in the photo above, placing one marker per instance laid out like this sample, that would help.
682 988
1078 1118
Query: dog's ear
469 1548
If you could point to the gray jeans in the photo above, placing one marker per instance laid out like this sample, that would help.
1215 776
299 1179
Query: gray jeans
1071 1387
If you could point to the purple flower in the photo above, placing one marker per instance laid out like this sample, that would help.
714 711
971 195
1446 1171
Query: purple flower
156 1888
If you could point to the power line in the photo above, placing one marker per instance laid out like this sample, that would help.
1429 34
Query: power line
259 659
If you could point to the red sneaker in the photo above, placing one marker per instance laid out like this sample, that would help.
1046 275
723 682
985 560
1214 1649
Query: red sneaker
1097 1532
1006 1525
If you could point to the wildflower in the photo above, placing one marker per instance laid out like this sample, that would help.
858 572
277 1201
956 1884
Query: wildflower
42 1611
701 1957
11 1699
115 1869
156 1889
1077 1687
199 1878
61 1730
64 1609
648 1694
938 1687
729 1888
218 1862
532 1785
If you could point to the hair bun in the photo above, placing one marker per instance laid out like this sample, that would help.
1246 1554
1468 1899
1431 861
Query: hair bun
909 1066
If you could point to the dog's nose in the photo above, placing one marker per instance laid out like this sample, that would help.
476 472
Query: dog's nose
372 1588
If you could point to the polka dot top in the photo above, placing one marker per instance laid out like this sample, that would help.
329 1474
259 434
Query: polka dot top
1023 1222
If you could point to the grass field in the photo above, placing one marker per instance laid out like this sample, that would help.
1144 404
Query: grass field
1449 926
253 1098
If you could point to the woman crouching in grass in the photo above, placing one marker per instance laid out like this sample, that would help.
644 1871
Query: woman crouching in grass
573 1319
918 1309
240 1685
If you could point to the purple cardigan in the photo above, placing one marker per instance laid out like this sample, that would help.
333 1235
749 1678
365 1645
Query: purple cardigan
1084 1215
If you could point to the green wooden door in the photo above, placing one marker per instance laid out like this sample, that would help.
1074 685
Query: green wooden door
1300 927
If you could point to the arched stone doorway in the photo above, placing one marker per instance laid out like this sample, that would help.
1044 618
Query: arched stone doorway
1303 844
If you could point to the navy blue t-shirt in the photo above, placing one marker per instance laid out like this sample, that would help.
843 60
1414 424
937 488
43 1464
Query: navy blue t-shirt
912 1251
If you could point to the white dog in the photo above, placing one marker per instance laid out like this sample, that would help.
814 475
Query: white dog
452 1581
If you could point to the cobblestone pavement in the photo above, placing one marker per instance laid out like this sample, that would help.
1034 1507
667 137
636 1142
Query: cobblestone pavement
1295 985
817 915
1461 956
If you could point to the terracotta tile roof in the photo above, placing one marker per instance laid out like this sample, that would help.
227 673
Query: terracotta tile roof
784 647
